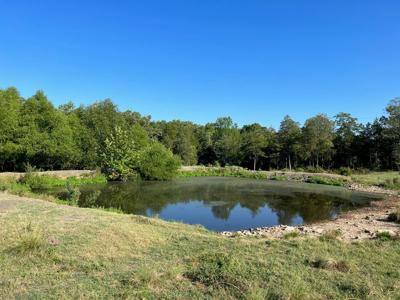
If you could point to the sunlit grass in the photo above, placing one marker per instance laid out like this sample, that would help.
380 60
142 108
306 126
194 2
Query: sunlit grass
70 252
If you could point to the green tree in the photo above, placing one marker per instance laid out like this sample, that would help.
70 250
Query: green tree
226 141
289 137
347 129
318 134
45 138
120 156
156 162
255 141
10 104
393 131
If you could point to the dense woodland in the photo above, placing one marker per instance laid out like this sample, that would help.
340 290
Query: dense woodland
34 132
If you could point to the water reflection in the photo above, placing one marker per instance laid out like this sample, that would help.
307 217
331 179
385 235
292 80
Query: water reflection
226 203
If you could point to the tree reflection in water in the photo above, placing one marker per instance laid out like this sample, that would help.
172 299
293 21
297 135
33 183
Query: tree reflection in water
205 198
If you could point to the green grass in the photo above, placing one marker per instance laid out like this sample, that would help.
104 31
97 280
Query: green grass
32 182
327 180
389 179
224 172
54 251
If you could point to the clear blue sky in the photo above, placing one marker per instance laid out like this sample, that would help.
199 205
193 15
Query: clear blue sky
255 61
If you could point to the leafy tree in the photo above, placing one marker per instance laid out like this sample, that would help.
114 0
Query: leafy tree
393 131
226 141
347 128
318 134
289 136
156 162
254 142
10 104
46 139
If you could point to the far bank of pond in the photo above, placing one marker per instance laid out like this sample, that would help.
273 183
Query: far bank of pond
226 203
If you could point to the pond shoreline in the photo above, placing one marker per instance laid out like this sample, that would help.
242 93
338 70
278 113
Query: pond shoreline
359 224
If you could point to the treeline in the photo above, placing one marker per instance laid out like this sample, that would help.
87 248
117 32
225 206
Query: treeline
33 131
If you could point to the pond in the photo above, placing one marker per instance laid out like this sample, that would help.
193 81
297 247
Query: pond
224 203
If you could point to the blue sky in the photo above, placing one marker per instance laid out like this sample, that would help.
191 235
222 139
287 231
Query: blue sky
255 61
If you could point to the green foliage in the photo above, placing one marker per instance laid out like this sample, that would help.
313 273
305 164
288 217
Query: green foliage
345 171
291 234
157 163
229 171
33 131
327 180
279 178
255 140
120 155
318 135
384 236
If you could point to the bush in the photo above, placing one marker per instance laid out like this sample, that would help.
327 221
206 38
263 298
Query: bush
345 171
39 182
157 163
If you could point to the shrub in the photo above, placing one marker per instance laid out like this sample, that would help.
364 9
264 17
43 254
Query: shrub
119 155
345 171
157 163
38 182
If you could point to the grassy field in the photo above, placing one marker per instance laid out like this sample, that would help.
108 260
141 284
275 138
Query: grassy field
56 251
389 179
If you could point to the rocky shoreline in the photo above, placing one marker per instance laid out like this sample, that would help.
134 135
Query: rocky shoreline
363 223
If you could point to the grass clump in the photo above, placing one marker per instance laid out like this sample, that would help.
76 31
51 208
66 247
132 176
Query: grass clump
327 180
219 270
330 265
291 234
30 239
395 216
331 235
279 178
386 236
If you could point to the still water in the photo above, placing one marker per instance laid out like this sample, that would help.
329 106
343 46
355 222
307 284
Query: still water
222 203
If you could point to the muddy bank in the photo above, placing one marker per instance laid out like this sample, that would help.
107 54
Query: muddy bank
363 223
